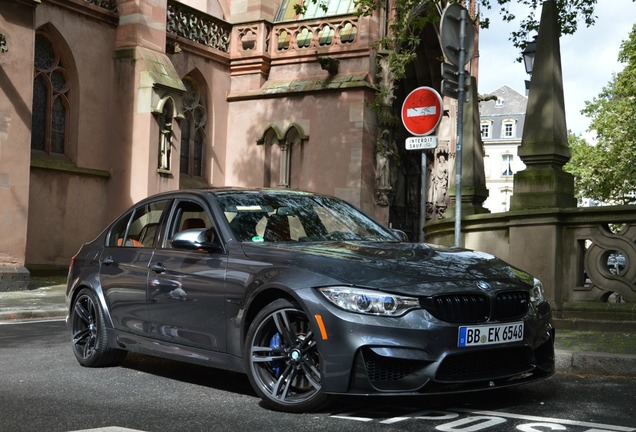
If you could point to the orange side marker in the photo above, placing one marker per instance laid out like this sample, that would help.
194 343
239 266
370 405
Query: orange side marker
321 326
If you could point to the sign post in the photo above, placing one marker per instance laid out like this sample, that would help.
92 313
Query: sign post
421 113
457 36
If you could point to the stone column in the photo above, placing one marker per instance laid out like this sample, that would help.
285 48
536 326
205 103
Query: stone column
149 96
474 190
17 41
544 143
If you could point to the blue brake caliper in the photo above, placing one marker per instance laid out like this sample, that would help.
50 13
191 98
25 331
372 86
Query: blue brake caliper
277 365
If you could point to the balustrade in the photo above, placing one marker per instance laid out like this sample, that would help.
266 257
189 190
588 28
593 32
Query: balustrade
303 35
198 27
109 5
580 254
606 261
296 37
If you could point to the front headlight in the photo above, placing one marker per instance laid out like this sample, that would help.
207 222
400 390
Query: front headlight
369 302
536 293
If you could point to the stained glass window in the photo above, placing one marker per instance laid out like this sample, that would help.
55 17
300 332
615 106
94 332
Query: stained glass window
193 129
49 121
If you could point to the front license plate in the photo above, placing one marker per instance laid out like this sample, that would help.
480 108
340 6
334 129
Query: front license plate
488 335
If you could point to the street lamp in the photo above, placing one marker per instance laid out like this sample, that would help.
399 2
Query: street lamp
528 55
528 59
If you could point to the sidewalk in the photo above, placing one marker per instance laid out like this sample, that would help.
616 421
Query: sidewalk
595 348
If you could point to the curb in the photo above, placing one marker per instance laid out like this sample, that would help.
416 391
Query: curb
595 363
22 314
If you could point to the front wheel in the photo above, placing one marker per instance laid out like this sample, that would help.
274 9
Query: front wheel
282 360
88 333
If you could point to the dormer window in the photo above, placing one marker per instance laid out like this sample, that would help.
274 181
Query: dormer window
508 129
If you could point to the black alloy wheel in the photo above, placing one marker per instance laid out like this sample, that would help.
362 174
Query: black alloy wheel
89 337
282 360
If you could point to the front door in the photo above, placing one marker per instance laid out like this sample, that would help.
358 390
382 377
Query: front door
186 289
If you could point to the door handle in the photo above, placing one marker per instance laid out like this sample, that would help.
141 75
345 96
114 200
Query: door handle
158 268
108 260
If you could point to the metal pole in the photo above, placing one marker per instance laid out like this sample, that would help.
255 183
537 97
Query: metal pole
460 127
423 198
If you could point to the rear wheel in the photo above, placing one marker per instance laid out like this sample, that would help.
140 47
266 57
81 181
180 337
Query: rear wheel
282 360
89 337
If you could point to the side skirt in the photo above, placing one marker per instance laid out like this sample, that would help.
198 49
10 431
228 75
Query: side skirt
140 344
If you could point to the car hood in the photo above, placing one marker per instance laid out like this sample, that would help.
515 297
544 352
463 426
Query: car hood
409 268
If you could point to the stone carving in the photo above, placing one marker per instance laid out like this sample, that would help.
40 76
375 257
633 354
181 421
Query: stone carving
3 44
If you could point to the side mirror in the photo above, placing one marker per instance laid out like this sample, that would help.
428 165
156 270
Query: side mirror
194 239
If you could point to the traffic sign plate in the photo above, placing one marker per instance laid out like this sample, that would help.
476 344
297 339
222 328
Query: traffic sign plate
421 143
450 29
422 111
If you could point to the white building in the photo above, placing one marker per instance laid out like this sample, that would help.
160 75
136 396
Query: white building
502 122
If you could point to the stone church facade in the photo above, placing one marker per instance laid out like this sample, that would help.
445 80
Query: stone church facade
109 101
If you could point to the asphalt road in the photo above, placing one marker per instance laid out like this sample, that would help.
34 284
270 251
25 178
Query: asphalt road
43 388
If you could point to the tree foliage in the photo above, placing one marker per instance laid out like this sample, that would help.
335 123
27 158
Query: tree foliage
408 17
606 171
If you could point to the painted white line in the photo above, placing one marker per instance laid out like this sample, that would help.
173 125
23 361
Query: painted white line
547 419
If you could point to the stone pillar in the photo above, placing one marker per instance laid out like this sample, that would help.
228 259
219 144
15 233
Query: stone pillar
544 143
474 190
147 103
17 41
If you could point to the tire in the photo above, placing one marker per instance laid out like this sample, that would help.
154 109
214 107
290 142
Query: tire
282 360
89 338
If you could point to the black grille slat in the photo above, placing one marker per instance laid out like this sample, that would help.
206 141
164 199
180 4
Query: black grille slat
473 308
461 308
388 369
487 364
511 305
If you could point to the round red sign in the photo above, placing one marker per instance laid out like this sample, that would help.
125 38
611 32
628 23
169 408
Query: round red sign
422 111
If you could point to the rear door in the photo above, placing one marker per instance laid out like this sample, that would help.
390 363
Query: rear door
186 289
124 265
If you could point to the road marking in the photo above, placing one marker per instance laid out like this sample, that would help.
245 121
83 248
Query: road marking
547 419
109 429
478 420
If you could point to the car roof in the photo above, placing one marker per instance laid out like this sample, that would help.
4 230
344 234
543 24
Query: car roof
202 192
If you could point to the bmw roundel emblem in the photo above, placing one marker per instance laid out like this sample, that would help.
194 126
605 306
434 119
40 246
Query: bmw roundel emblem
483 285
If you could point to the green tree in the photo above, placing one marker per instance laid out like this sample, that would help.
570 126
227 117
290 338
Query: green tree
408 17
606 170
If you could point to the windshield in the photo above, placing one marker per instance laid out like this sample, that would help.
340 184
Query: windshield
298 217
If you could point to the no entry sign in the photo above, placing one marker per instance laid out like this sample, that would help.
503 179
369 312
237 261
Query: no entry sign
422 111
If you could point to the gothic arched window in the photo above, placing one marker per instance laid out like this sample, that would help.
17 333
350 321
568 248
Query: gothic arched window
193 129
50 113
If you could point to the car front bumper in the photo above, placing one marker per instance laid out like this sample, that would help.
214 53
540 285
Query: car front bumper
419 354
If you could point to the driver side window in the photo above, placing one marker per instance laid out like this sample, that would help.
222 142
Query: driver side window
189 215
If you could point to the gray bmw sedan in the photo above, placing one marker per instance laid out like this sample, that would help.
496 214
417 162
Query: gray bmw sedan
306 295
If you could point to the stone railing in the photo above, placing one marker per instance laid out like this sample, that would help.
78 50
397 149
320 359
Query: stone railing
581 255
305 35
296 38
604 258
198 27
109 5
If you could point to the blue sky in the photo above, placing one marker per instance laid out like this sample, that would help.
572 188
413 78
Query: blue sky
588 58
